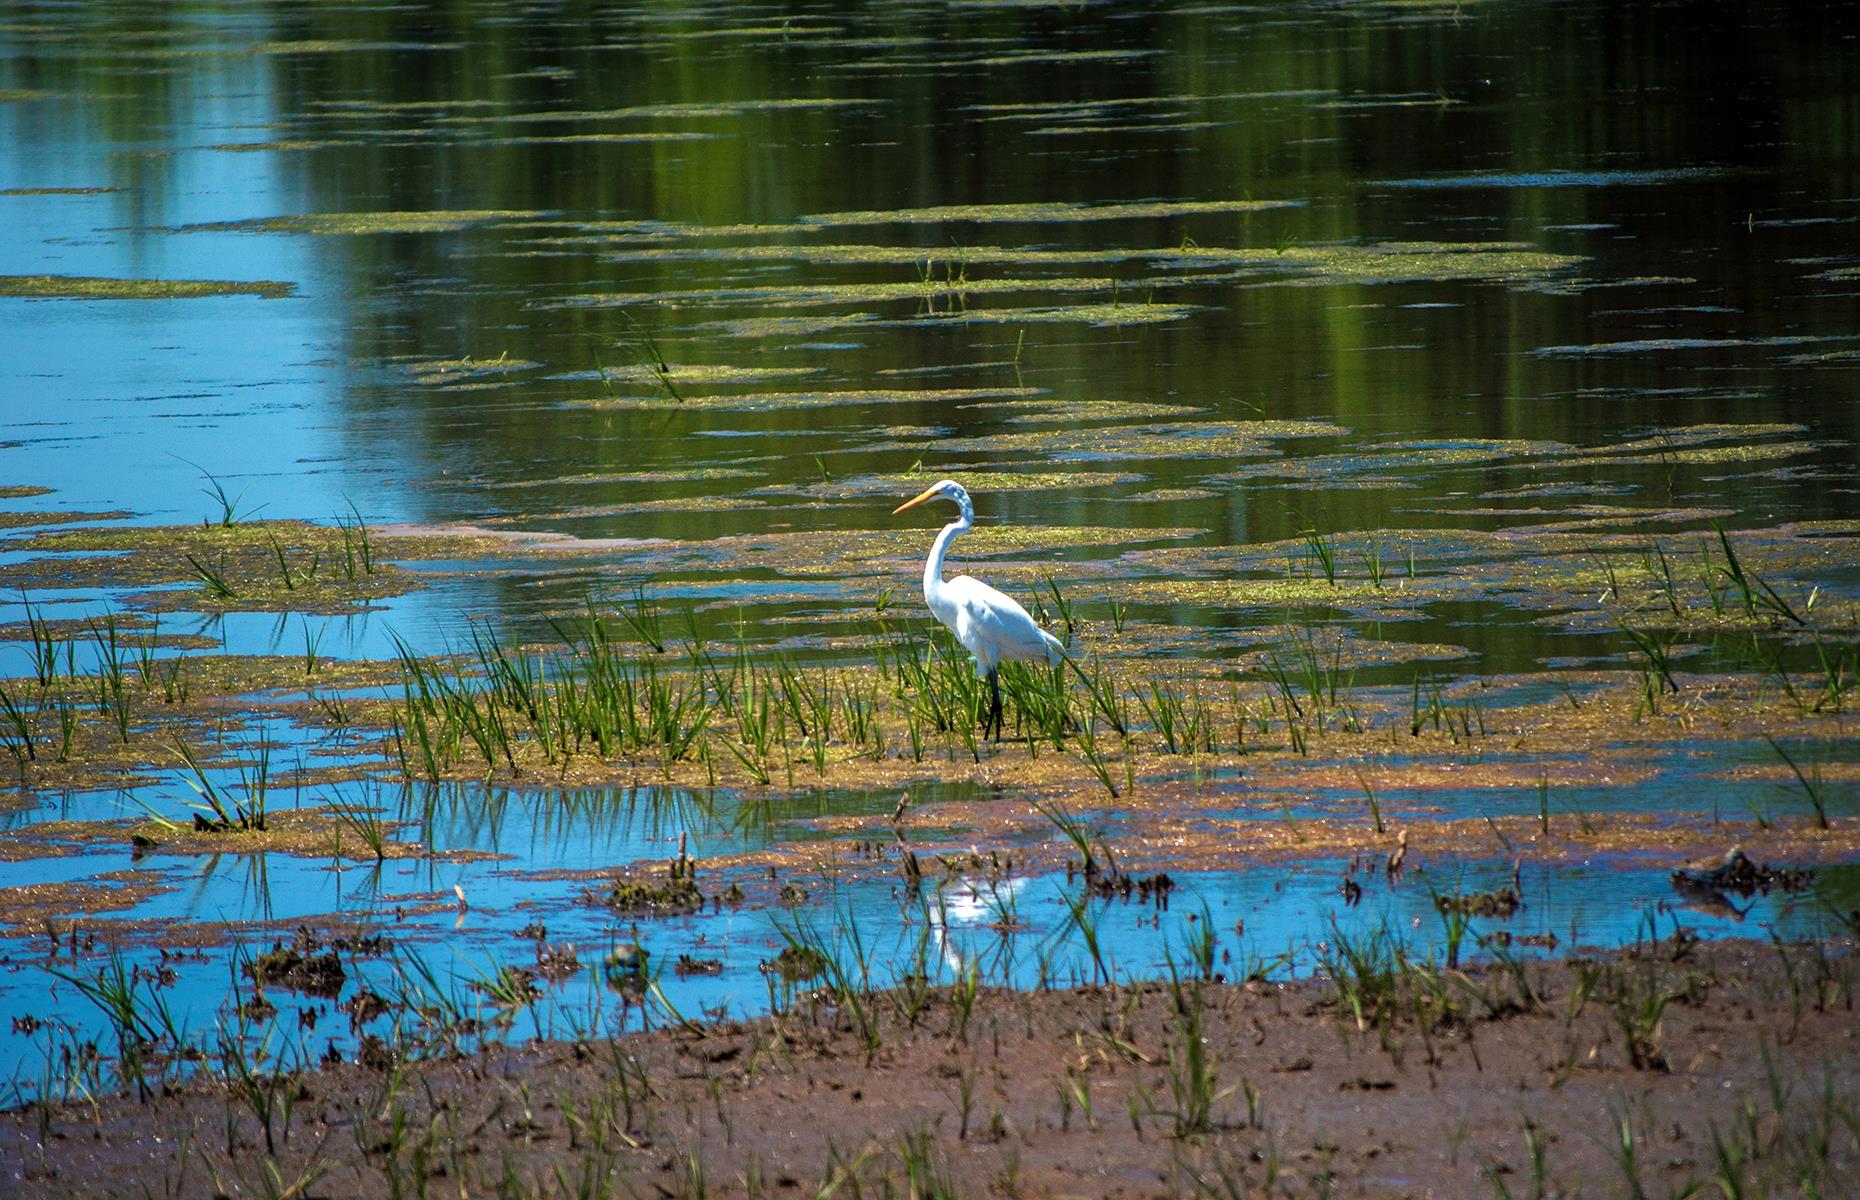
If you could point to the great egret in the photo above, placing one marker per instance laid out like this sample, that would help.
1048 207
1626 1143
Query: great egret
988 623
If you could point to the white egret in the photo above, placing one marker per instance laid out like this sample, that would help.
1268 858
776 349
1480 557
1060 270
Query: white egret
988 623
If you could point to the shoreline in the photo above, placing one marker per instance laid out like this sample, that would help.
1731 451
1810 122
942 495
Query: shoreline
1728 1062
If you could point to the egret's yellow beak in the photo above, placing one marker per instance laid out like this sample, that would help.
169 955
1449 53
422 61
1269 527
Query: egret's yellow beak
928 493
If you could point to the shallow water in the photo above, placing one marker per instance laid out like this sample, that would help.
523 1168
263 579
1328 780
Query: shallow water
1200 279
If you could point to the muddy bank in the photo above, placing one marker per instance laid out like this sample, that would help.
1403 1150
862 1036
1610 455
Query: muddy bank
1673 1065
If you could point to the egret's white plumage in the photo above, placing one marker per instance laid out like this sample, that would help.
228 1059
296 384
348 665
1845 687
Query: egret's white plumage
989 623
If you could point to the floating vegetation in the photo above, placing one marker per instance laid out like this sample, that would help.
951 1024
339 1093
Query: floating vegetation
439 221
945 293
91 287
456 372
1390 463
781 401
687 475
1554 179
762 327
1045 410
1658 345
238 564
691 373
1394 262
1101 315
1201 439
983 481
1035 212
56 191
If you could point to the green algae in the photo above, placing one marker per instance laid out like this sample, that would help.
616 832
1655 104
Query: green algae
280 146
783 401
1174 495
1375 460
944 294
1044 212
690 475
1097 411
694 111
692 373
248 566
763 327
1103 316
980 482
822 553
619 139
447 372
365 223
630 508
92 287
1206 439
1395 262
1699 456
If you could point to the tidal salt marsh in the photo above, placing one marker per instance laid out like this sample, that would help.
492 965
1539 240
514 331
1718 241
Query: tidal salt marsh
450 598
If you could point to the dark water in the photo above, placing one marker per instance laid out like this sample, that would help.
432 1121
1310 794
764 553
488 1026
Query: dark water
1473 245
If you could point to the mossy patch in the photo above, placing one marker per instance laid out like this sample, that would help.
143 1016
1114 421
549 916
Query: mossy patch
92 287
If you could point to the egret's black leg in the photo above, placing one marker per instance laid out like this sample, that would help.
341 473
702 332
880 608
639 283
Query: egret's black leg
994 703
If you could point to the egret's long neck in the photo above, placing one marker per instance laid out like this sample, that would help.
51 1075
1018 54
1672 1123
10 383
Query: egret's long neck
933 566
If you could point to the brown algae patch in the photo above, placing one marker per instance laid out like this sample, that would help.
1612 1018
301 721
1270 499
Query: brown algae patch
36 905
21 491
31 520
92 287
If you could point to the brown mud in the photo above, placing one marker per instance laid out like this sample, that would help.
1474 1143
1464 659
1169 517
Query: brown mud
1667 1069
